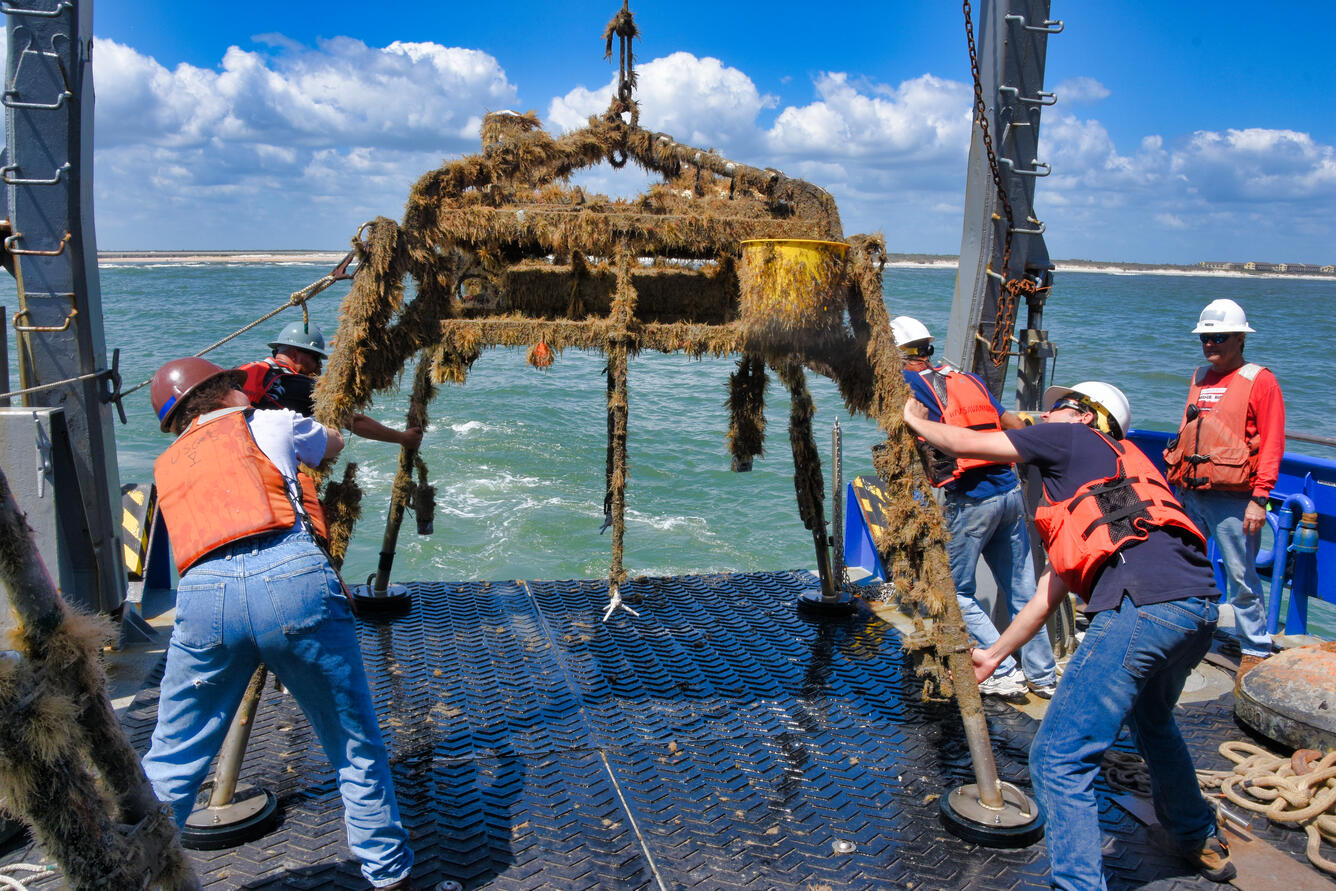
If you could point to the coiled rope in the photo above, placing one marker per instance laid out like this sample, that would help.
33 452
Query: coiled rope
9 883
1300 790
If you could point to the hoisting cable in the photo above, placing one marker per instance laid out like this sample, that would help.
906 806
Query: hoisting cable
623 28
297 298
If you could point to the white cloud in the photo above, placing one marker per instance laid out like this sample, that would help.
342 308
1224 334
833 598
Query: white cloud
1081 90
700 101
342 123
926 119
294 146
1257 166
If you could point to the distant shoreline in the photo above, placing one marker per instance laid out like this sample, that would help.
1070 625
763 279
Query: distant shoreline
185 257
897 261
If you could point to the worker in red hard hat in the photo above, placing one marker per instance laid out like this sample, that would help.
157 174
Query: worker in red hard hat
255 588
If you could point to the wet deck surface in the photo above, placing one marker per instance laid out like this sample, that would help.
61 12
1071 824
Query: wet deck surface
717 741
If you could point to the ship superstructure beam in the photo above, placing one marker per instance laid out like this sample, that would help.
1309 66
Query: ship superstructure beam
1002 236
51 250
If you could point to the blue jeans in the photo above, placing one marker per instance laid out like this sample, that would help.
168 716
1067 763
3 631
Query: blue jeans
994 528
1130 668
1220 516
275 599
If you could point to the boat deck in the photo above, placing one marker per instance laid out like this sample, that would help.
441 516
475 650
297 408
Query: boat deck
719 740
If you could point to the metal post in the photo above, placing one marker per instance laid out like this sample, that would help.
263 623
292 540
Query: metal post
837 500
379 598
236 812
234 745
403 477
1011 50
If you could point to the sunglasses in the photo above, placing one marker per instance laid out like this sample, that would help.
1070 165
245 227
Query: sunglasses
1068 403
1216 339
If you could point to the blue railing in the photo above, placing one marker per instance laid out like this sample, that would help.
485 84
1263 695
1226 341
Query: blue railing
1303 557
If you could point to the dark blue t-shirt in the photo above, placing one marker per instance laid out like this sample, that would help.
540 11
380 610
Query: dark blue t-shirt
980 482
1165 566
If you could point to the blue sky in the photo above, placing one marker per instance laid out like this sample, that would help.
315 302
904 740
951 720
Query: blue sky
1183 131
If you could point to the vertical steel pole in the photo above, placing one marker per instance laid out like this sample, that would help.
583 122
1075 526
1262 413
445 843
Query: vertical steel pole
837 500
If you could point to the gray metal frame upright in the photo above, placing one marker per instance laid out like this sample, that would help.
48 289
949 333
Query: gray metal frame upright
1013 37
52 251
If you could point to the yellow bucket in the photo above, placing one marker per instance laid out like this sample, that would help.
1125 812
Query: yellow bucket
792 283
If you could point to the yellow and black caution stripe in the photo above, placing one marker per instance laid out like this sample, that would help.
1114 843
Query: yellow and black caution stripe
872 499
138 503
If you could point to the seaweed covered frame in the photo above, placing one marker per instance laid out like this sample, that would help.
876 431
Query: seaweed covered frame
504 252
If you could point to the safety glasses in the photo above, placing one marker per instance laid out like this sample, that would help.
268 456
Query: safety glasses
1216 339
1068 403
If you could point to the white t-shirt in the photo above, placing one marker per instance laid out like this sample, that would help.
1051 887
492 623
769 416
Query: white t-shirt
286 438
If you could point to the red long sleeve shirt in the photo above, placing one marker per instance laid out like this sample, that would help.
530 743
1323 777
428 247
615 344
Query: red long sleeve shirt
1266 417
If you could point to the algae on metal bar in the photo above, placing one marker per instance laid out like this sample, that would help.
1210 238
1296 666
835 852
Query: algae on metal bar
499 249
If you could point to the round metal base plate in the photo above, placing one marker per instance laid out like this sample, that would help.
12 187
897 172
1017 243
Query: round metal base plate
811 602
1287 697
394 602
252 813
1016 825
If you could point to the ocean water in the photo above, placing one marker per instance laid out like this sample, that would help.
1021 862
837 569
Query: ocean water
517 454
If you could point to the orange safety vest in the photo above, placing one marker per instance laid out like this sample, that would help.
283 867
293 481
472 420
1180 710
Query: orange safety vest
216 486
1082 532
1212 450
963 402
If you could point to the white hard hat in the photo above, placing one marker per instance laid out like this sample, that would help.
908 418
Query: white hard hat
907 329
1113 413
1222 316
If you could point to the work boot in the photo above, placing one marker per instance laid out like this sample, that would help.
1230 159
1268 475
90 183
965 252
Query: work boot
1247 662
1212 859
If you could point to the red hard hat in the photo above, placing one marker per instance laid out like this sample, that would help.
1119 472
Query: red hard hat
178 379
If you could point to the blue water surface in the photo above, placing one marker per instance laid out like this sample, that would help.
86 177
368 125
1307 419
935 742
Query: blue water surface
517 454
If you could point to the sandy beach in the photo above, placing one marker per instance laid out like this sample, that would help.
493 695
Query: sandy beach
897 261
1062 267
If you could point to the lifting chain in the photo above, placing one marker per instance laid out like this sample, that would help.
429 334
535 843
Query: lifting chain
623 28
1009 294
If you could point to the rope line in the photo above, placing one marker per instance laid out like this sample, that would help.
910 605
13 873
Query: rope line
1298 791
297 298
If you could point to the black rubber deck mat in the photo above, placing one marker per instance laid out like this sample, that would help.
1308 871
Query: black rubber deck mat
719 740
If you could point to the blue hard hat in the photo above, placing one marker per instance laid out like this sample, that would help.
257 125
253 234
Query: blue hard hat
303 336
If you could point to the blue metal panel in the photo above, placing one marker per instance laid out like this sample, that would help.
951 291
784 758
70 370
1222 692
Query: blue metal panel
860 549
719 740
